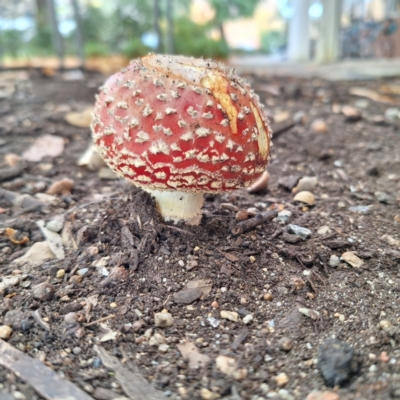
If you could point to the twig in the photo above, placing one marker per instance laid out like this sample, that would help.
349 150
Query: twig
99 320
36 315
281 127
251 223
44 380
175 228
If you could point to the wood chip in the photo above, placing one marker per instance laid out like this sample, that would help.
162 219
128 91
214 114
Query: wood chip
352 259
191 353
132 382
45 381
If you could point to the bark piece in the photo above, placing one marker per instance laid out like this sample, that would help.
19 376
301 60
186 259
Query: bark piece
132 383
45 381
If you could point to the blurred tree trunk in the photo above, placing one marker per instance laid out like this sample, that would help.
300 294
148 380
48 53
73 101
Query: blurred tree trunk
222 31
57 39
41 14
79 32
170 26
157 29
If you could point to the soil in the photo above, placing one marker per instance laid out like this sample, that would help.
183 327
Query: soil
267 272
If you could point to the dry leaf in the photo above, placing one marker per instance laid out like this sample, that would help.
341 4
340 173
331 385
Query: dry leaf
68 240
371 94
46 145
190 352
108 335
81 119
230 257
10 232
390 89
308 312
53 239
36 255
91 159
204 284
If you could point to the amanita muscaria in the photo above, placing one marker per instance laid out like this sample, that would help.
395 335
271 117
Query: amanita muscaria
180 127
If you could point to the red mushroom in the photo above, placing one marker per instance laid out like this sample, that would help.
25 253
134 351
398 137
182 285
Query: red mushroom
179 127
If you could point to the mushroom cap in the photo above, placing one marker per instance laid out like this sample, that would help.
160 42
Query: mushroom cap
179 123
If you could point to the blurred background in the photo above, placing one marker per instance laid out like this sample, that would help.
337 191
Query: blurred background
106 34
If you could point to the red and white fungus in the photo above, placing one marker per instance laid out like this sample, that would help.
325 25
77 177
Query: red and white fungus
180 127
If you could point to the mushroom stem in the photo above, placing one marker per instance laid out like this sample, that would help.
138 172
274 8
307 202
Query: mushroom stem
178 206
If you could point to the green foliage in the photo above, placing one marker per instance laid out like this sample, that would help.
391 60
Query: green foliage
231 9
135 48
41 44
271 41
191 39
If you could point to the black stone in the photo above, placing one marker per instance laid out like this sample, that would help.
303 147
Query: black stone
338 362
187 296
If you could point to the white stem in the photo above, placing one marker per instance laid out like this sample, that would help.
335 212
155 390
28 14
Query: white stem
177 206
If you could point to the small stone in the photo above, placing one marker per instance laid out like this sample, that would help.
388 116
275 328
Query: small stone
226 365
319 126
352 259
391 240
214 304
298 283
83 271
337 362
206 394
43 291
300 117
385 325
71 318
247 319
163 320
285 343
334 261
62 187
383 197
292 239
18 396
324 230
323 396
107 174
281 379
163 348
14 318
77 279
187 296
77 350
392 114
230 315
283 216
304 233
214 322
384 357
60 273
242 215
307 183
113 305
352 114
268 296
288 182
5 332
305 197
56 224
156 340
